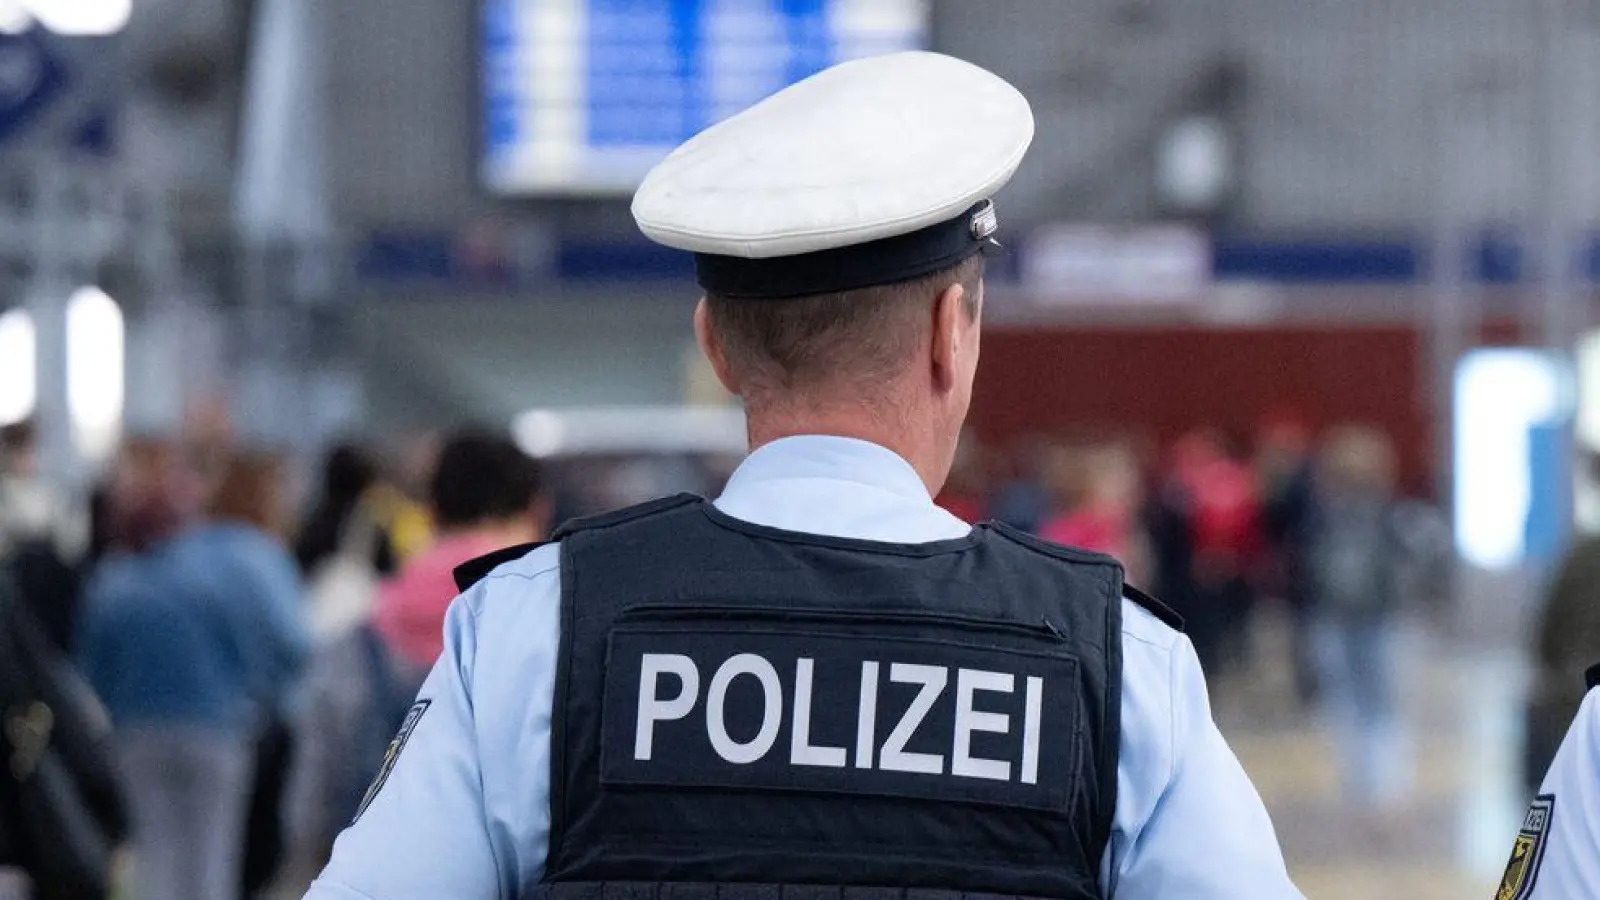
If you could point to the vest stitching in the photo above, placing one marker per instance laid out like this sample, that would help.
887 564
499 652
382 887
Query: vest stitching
629 840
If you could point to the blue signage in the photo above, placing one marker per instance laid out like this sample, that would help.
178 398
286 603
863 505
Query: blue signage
583 96
32 79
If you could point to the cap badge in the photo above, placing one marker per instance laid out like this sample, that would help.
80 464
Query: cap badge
984 222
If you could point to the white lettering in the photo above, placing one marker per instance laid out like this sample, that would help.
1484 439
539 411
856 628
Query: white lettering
968 720
651 667
894 756
1030 730
801 750
867 715
771 716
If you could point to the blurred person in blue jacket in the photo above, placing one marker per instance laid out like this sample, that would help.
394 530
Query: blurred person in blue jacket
192 635
1287 473
1359 560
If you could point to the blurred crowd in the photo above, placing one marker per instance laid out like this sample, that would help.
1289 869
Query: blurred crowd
197 685
202 666
1218 528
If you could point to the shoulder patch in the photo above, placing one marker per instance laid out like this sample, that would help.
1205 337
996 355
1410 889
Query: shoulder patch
626 514
477 569
1154 607
392 756
1527 852
1592 677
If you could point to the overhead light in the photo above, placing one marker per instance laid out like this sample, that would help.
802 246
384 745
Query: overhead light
18 372
1511 406
14 17
94 369
81 18
1195 164
539 433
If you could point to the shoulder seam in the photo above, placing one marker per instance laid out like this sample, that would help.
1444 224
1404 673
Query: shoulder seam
1165 648
339 885
497 575
526 576
468 574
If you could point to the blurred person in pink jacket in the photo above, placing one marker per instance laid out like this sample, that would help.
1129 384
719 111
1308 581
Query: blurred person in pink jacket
485 495
1101 498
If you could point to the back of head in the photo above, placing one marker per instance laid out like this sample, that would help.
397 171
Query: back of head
347 472
482 478
251 492
845 345
18 446
1358 460
150 496
838 228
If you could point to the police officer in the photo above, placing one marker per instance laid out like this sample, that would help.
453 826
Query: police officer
1556 854
820 680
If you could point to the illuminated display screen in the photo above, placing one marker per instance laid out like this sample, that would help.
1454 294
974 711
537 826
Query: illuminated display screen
584 96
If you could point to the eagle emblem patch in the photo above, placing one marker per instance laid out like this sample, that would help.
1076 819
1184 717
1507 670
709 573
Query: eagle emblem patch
1527 852
392 756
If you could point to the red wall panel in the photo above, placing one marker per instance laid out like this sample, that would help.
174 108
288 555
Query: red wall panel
1163 381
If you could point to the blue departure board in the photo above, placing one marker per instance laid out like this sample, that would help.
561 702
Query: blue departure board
584 96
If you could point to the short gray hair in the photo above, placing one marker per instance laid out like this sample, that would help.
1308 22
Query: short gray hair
861 336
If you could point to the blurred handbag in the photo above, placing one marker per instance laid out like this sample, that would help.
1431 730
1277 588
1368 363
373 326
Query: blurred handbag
341 590
55 749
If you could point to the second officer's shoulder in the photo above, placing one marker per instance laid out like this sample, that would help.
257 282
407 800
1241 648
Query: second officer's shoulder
1590 709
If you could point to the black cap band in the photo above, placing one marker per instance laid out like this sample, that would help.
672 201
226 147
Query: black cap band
885 261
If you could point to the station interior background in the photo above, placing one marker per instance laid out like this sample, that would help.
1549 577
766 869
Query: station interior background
282 224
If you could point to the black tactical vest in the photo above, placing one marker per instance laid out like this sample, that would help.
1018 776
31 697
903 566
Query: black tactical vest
742 712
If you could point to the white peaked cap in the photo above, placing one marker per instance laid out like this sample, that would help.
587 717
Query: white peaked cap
890 159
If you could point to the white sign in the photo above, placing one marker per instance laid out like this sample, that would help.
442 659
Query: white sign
1157 263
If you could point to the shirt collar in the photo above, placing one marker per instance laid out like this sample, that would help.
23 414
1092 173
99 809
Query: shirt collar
830 458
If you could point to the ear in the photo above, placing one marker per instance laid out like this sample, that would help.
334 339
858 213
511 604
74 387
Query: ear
709 345
949 324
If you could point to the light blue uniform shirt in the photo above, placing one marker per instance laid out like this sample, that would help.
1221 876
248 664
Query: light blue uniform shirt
1566 857
465 811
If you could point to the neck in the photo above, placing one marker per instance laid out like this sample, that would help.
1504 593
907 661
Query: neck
917 446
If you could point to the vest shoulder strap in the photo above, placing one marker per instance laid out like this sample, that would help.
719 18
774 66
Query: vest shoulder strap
1047 548
475 570
478 568
1592 677
1164 613
624 515
1161 611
